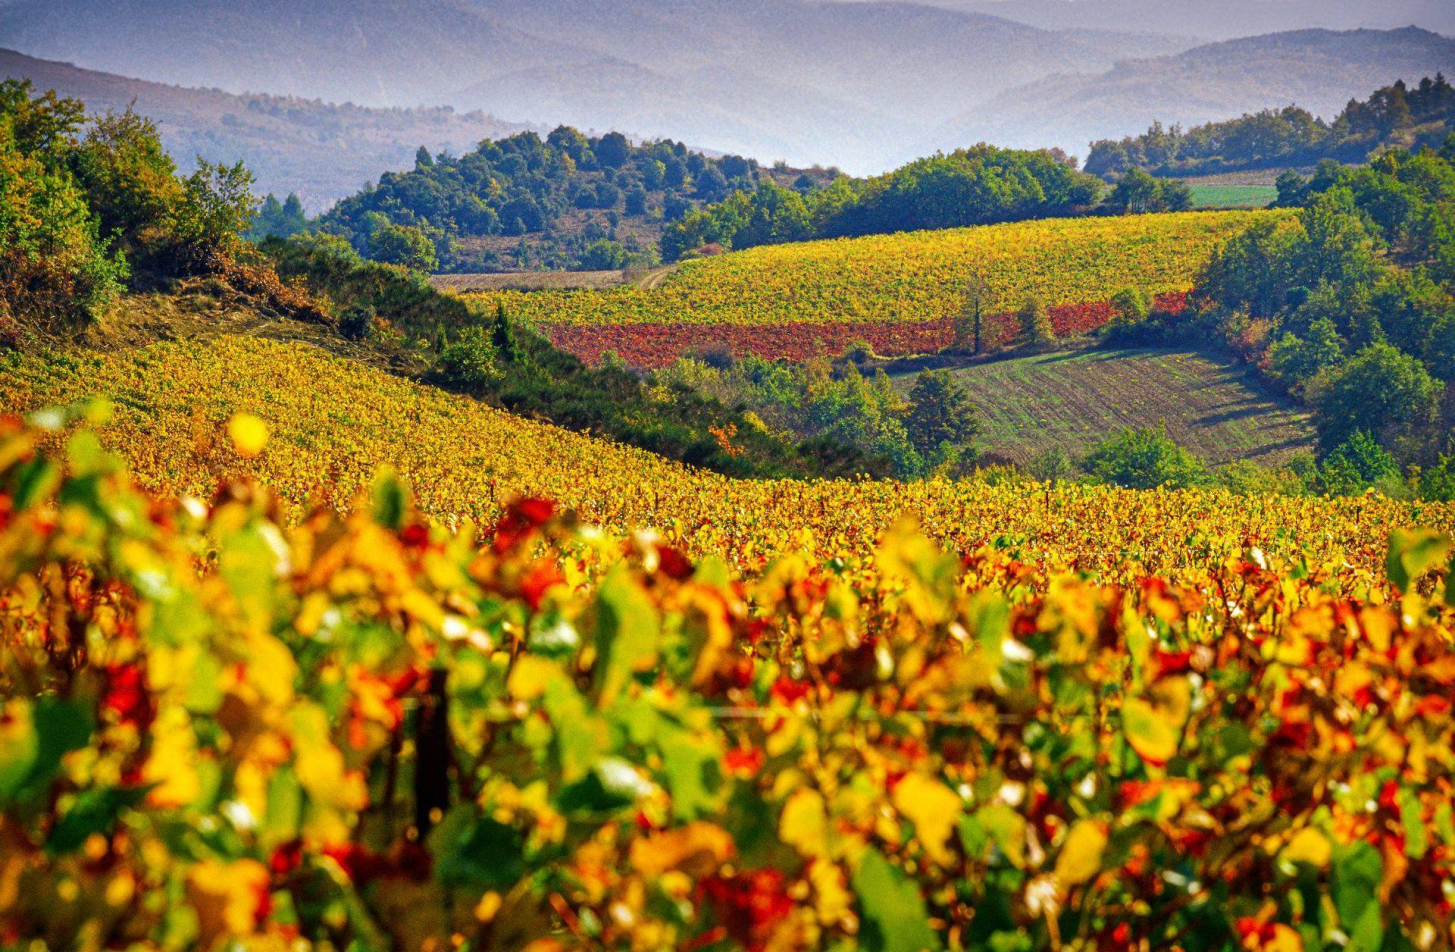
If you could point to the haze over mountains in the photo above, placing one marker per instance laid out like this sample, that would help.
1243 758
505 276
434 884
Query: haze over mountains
321 152
863 85
1218 19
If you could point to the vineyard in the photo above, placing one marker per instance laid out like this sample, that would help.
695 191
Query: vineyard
369 732
1072 399
342 613
465 461
898 292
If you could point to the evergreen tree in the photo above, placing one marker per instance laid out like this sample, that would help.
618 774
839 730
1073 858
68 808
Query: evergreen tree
940 413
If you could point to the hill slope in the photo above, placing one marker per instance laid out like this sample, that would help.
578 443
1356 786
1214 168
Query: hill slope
466 460
1226 19
1072 400
898 292
757 76
1319 70
322 151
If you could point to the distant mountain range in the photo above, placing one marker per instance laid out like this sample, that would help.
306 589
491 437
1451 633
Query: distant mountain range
1218 19
862 85
323 152
1320 70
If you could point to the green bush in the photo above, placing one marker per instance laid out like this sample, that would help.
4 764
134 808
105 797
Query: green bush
1145 459
357 322
1130 307
1382 392
1052 466
1438 482
470 362
56 271
1036 328
1357 464
403 245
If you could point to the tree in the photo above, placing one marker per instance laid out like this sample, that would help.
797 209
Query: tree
1129 306
970 329
422 159
1136 193
217 206
1052 465
604 255
469 362
1382 391
404 245
1294 360
1355 465
129 179
1036 327
613 150
940 414
1440 351
1145 459
54 268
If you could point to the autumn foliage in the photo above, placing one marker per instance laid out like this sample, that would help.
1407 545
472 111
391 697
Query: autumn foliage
367 731
655 346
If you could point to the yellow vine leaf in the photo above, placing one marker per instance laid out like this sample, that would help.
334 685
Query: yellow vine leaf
1080 858
934 810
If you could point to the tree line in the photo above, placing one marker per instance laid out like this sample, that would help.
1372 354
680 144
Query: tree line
1349 306
570 201
976 186
1396 115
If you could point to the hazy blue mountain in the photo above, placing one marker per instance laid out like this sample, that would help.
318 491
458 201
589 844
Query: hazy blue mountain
1320 70
1219 20
862 85
807 81
320 150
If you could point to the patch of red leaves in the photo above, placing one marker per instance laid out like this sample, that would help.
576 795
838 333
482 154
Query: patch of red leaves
657 345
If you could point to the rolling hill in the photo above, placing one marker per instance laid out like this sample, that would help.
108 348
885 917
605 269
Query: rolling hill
465 460
864 86
1072 400
899 293
1224 20
322 151
1320 70
854 85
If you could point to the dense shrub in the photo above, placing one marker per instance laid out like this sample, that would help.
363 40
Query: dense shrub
1144 459
469 362
1355 465
55 269
82 213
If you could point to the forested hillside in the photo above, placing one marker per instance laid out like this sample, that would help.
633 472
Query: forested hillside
321 151
1399 116
566 201
975 186
106 243
1350 306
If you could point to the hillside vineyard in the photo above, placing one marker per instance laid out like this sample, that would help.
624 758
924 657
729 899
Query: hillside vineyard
646 536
